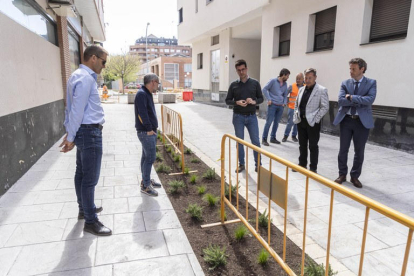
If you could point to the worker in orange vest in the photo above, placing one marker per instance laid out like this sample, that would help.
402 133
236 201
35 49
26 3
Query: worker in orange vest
292 95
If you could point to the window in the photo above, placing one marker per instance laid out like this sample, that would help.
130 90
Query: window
187 82
29 14
188 68
178 51
200 61
171 72
215 40
74 51
196 6
180 15
166 50
389 19
325 29
284 39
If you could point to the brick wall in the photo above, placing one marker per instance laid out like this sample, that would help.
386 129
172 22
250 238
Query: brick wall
63 39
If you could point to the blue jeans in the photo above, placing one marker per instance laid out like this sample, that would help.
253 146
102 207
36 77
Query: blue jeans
88 143
290 124
148 143
250 122
274 114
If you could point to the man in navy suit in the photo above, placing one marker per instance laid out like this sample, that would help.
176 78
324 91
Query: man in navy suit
355 118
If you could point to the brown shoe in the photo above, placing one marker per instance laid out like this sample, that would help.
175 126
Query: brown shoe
356 182
340 179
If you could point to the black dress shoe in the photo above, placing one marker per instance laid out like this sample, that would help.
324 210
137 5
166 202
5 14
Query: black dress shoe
284 139
340 179
81 214
265 143
294 139
274 141
241 168
356 182
97 228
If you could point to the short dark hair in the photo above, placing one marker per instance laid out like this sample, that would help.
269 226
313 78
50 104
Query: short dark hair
241 62
361 63
311 70
93 50
284 72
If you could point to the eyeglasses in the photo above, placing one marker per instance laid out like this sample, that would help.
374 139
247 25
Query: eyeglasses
103 60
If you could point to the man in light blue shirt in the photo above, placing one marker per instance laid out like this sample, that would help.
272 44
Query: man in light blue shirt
84 117
275 92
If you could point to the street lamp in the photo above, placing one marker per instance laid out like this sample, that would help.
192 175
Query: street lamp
146 46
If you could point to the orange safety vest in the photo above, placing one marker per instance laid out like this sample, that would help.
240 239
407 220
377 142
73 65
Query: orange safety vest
293 96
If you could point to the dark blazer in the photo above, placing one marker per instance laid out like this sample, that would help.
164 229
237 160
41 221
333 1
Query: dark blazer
362 101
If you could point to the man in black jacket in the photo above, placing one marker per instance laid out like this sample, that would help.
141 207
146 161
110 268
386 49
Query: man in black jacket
244 94
146 124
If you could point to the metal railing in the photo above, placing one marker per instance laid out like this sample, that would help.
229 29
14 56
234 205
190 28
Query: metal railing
276 189
172 130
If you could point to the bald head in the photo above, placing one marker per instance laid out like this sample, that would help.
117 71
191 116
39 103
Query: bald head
299 79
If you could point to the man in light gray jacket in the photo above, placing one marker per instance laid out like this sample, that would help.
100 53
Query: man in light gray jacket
311 105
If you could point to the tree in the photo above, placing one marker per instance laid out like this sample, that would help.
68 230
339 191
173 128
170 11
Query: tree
123 66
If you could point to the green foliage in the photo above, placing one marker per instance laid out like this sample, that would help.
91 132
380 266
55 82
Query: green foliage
177 158
175 186
263 257
219 214
263 219
201 190
163 169
240 232
210 174
169 149
195 211
158 157
195 160
159 136
215 256
123 66
157 149
211 199
193 179
314 269
233 190
186 171
188 151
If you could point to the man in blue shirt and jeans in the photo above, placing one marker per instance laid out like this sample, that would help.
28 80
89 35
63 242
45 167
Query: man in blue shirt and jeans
275 92
84 117
146 124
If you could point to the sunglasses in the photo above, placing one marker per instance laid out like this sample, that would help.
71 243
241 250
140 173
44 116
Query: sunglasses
103 60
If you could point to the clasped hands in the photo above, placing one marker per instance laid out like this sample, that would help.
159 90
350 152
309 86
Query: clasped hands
244 103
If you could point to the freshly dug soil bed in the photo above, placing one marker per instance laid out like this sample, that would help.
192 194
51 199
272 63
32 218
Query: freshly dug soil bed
242 256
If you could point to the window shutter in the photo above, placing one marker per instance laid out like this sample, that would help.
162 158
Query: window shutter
390 19
285 32
325 21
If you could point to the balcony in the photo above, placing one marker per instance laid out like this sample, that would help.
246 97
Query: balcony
93 16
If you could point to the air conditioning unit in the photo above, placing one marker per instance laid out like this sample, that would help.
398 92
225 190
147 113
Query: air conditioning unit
62 7
61 2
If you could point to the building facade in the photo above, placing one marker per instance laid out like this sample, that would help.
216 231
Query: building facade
43 47
157 47
173 71
324 34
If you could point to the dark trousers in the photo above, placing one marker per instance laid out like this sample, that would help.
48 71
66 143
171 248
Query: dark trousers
308 134
88 143
352 129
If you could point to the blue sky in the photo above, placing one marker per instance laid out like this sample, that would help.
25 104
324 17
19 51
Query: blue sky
127 20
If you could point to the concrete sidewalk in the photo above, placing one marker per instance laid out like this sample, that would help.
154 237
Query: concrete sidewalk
387 177
41 235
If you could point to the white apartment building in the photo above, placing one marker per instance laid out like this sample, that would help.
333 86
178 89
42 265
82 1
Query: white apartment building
298 34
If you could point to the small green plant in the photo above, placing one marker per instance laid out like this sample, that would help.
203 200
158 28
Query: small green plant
175 186
195 211
163 169
201 190
195 160
186 171
188 151
233 190
172 155
168 149
210 174
314 269
177 158
158 157
219 215
159 137
240 232
263 219
193 179
215 256
263 257
211 199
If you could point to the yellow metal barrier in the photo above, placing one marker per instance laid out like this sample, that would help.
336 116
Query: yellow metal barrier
172 130
276 189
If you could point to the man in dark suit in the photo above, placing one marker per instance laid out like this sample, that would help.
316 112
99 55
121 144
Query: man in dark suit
356 97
